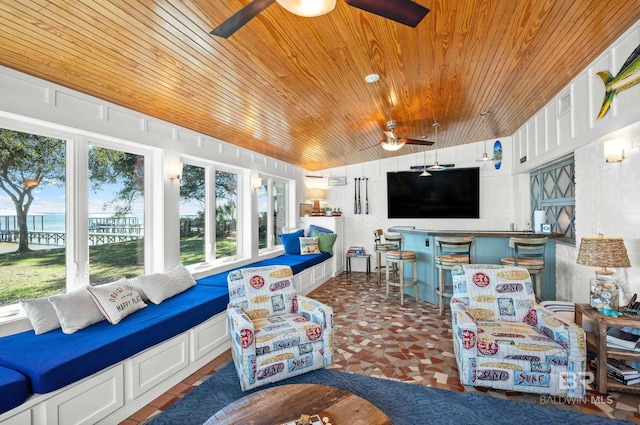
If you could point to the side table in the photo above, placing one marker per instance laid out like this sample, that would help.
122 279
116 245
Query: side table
366 256
597 342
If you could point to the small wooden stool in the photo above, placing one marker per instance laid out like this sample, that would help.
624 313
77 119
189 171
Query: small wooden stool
399 259
452 251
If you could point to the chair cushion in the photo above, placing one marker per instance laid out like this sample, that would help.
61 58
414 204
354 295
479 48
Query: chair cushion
384 247
285 331
524 262
262 291
406 255
453 259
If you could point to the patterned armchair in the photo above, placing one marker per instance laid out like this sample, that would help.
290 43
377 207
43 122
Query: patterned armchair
503 340
275 333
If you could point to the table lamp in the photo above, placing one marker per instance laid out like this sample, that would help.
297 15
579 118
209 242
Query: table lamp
316 195
603 252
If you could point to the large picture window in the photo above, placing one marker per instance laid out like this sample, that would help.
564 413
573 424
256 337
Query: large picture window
553 190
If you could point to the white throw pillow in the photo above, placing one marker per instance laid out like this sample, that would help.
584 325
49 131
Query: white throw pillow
117 299
160 286
41 314
309 246
76 310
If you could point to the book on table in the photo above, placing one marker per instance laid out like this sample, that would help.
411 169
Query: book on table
619 372
622 380
622 338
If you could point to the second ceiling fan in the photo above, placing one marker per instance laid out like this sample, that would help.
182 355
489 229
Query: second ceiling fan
406 12
394 142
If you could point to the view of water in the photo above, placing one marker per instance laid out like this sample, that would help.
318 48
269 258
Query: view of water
47 222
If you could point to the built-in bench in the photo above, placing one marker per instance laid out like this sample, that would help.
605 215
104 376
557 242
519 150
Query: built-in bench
104 373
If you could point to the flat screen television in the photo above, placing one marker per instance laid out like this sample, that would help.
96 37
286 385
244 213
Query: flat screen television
448 193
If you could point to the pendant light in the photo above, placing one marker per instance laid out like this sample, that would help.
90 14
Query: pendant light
436 166
485 156
425 173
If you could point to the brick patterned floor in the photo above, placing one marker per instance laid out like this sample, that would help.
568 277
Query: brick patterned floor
410 343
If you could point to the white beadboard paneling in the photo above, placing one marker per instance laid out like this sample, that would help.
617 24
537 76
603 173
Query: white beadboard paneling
79 105
580 105
119 117
15 87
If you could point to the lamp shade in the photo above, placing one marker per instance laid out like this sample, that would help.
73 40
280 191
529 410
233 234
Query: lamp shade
603 252
308 8
317 193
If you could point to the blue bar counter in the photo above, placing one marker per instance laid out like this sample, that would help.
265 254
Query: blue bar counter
488 248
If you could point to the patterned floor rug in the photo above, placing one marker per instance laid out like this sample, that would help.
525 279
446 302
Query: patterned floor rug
404 404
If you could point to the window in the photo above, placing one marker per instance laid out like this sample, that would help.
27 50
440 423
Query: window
272 211
116 214
32 216
197 226
553 190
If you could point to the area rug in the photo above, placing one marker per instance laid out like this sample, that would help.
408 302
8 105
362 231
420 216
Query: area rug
404 404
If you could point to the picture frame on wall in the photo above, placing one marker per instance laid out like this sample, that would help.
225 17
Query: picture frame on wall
305 209
337 181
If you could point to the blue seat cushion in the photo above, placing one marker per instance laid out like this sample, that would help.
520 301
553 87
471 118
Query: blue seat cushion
14 389
53 360
297 263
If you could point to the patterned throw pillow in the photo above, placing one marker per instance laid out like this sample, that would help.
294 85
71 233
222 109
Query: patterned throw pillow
309 246
117 299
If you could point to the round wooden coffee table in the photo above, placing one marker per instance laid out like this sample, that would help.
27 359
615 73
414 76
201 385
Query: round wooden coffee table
285 403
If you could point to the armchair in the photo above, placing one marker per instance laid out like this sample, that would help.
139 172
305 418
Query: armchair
502 339
275 333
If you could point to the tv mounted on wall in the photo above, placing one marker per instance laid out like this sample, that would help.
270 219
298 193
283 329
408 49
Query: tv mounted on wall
448 193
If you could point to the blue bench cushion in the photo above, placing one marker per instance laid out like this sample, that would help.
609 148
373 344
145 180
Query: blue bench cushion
53 360
297 263
14 389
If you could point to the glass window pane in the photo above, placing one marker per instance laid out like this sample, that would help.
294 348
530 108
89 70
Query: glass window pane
262 214
192 207
116 215
279 210
226 214
32 216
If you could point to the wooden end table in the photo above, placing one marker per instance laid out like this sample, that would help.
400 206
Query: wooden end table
597 342
287 402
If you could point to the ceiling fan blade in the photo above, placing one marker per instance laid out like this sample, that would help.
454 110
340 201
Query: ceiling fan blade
416 141
406 12
241 17
372 146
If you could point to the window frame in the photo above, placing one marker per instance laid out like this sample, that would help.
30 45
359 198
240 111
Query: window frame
538 201
272 234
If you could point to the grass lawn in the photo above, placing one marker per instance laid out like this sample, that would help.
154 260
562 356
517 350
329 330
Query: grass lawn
42 273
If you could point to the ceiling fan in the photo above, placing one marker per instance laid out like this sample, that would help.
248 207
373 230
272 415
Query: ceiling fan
406 12
394 142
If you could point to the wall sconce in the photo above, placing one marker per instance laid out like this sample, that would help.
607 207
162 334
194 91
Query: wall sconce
256 182
174 170
613 151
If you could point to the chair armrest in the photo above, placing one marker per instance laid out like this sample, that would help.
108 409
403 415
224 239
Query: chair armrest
241 330
314 310
461 317
569 335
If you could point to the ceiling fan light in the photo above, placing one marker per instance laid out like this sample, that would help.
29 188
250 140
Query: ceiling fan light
308 8
392 146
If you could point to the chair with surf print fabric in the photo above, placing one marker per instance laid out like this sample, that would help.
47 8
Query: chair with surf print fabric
502 339
275 333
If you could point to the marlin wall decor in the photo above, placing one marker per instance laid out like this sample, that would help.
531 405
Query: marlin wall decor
628 76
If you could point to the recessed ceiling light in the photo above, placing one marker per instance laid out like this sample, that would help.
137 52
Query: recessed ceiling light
372 78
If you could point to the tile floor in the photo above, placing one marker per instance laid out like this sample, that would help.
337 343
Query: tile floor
410 343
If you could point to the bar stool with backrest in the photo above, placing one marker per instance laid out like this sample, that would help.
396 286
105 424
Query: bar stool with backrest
396 259
451 251
528 253
381 248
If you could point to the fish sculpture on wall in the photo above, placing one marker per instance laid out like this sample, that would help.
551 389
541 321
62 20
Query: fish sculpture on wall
628 76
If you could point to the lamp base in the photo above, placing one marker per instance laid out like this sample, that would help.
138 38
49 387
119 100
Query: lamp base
316 205
605 293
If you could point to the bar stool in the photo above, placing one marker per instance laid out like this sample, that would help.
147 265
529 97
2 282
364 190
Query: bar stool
450 252
381 248
396 259
528 253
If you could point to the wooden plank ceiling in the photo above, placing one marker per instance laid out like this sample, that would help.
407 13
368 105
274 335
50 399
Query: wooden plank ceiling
293 88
